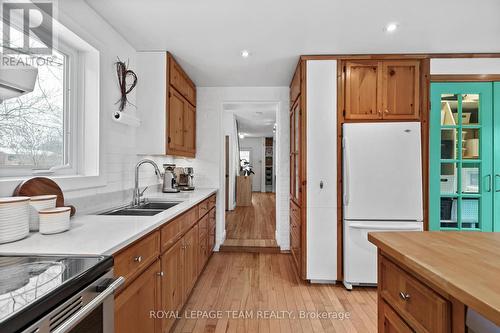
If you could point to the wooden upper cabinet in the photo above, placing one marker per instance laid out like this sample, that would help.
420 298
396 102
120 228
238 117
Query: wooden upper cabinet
190 128
180 81
382 89
295 85
362 91
181 116
400 88
166 100
176 121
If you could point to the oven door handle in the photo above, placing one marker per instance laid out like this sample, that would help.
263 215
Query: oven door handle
89 307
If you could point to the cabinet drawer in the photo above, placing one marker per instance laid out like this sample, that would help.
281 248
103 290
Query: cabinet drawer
392 322
203 226
171 233
423 309
135 258
203 207
189 219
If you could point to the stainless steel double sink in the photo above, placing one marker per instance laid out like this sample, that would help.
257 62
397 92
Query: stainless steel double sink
149 208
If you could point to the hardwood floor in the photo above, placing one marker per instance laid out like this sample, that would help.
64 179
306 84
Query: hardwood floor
256 282
253 226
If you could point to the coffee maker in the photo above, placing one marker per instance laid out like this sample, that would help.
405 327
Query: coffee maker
186 179
169 179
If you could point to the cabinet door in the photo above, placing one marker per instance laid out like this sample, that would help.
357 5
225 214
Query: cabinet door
176 120
190 128
191 259
295 152
496 162
391 321
461 178
295 85
292 154
133 304
172 289
362 90
401 89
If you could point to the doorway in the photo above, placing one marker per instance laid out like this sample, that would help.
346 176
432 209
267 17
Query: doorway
251 176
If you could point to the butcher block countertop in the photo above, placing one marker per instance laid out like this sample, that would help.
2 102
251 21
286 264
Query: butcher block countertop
466 265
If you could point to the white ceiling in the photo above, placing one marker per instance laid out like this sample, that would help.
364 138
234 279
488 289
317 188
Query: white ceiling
206 37
254 119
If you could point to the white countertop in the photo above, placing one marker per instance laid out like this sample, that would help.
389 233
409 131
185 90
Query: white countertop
105 234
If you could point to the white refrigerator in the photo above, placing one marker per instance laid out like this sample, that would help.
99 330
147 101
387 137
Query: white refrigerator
382 190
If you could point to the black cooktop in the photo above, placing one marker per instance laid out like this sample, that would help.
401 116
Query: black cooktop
30 286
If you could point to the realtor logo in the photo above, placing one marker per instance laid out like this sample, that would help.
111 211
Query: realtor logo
34 21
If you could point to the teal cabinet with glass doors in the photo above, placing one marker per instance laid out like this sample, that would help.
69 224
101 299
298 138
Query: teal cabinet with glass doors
464 159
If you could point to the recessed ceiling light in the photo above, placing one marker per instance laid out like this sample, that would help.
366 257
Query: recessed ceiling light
391 27
245 53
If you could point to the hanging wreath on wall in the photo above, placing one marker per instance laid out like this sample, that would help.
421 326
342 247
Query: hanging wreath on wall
127 81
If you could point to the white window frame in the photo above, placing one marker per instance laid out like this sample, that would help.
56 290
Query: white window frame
71 87
88 157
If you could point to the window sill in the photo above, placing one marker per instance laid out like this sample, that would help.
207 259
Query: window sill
68 183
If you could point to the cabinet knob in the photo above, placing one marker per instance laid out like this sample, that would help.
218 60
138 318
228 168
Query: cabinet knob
386 111
404 296
138 259
161 274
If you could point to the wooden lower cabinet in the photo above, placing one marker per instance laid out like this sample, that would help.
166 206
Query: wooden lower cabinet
191 260
167 283
391 322
172 283
408 304
295 236
134 303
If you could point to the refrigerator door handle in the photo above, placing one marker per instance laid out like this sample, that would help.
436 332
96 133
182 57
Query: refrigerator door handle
346 171
372 227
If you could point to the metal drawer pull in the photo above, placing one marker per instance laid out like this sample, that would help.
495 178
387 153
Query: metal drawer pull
138 259
83 312
404 296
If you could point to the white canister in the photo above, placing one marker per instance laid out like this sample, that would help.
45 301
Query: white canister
14 218
54 220
37 203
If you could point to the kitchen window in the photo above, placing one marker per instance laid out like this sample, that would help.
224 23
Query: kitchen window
38 129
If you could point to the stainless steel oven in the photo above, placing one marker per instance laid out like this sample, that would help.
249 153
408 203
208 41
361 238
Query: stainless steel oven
90 310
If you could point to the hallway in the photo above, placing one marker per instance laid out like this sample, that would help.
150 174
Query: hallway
253 226
236 285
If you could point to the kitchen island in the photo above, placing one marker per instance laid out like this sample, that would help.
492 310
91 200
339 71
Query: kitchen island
428 280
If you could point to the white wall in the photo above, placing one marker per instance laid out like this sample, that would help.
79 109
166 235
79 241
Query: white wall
255 145
210 151
230 130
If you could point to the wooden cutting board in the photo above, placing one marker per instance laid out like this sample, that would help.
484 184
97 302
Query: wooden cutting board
42 186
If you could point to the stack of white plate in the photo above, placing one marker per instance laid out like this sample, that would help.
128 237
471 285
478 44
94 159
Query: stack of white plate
54 220
14 218
37 203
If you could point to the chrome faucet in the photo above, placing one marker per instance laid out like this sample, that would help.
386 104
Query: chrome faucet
136 200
